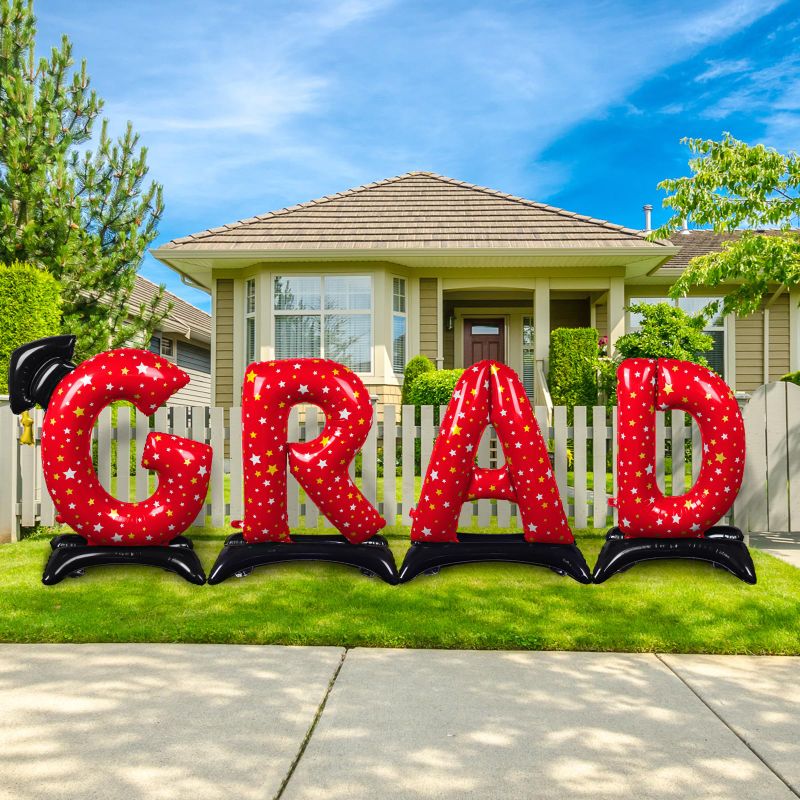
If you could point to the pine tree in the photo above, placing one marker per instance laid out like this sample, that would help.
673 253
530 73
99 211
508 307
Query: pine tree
84 216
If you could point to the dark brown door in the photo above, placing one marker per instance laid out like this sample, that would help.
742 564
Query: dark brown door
484 338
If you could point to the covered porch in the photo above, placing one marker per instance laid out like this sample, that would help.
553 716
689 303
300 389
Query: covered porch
509 320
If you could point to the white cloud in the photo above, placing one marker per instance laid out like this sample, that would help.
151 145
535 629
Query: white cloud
246 106
721 69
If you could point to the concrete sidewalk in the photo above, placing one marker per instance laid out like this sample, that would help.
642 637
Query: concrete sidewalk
785 546
172 722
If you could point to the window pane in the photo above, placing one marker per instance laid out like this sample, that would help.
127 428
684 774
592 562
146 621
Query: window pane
297 336
692 305
485 330
155 345
348 293
528 355
297 294
398 343
399 295
166 348
250 296
716 357
348 339
250 340
636 319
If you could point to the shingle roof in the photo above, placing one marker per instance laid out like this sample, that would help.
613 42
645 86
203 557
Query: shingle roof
418 210
699 242
183 318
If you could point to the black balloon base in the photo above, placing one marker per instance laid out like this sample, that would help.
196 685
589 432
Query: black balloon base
373 557
71 557
472 548
723 546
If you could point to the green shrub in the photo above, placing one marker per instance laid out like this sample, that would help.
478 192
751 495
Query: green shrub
417 366
30 308
434 388
792 377
666 332
573 359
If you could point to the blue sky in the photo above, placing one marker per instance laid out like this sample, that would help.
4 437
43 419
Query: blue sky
251 106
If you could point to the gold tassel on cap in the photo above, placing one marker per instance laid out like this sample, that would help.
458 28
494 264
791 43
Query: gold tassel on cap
26 420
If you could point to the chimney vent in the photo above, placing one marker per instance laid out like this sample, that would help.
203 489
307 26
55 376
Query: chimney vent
648 223
685 227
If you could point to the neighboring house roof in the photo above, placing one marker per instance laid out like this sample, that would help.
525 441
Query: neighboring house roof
184 318
696 242
418 210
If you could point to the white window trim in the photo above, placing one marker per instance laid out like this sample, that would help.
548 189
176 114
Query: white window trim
251 315
322 312
403 314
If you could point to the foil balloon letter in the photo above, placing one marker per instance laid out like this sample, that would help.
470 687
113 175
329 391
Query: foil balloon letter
183 466
320 466
651 525
645 386
491 393
107 530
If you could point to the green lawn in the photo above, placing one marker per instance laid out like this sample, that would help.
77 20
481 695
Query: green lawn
668 607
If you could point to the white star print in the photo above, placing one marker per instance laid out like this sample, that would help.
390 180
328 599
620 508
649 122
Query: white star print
142 369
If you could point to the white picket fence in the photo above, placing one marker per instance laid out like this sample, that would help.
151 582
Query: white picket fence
393 483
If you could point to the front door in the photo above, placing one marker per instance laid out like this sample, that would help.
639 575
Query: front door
484 339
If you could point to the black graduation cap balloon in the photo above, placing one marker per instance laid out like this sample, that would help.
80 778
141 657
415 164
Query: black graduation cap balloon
35 370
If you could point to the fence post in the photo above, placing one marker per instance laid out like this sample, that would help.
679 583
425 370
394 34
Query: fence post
9 521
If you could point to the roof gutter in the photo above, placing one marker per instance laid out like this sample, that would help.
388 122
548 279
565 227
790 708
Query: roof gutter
371 254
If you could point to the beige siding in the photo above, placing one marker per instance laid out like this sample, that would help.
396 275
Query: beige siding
569 314
779 337
223 320
429 317
601 318
196 393
749 352
449 347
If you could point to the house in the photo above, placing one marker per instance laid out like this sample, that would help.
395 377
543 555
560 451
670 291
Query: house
183 337
422 263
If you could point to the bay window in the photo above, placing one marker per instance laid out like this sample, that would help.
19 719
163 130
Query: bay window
324 317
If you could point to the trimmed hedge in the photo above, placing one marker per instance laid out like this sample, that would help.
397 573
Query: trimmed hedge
573 357
434 388
30 308
417 366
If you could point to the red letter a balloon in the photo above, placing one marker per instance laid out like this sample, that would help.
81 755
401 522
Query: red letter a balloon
490 393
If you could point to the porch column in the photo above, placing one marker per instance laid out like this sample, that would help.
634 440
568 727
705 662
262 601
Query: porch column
541 328
616 312
541 321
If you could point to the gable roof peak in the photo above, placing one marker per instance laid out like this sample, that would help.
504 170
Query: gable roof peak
434 211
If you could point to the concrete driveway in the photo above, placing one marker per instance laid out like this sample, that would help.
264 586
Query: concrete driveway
174 722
